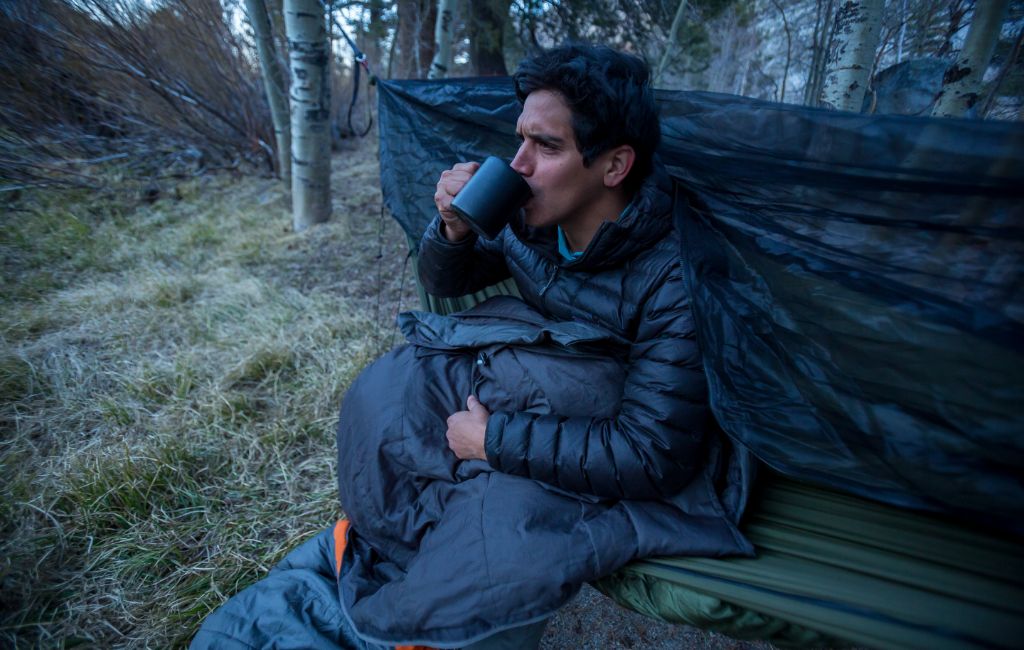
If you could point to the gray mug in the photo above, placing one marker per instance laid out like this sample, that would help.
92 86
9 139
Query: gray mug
493 194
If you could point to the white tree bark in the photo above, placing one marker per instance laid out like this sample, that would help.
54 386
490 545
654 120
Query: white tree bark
961 85
442 40
274 84
858 25
309 56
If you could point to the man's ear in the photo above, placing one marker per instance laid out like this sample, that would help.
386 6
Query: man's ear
618 162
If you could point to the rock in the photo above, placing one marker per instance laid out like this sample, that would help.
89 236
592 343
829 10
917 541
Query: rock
907 88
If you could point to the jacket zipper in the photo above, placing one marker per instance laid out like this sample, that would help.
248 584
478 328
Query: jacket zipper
554 274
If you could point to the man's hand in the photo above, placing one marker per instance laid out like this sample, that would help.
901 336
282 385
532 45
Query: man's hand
467 430
451 181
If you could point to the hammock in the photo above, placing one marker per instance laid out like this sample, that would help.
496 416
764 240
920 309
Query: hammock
856 281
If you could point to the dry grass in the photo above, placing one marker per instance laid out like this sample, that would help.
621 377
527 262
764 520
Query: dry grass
169 378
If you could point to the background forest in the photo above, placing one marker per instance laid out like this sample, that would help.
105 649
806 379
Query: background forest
175 341
174 86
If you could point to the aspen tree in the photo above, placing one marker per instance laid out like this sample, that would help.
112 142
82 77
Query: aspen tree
858 24
310 98
961 85
442 40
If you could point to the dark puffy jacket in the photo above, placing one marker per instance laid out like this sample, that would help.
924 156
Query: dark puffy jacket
629 281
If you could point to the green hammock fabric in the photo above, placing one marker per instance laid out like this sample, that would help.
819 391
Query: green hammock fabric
858 571
445 306
832 570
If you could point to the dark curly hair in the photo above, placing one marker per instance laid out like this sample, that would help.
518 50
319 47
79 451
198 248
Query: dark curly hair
609 94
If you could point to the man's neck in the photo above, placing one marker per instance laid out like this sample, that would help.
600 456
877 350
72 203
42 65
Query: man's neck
579 232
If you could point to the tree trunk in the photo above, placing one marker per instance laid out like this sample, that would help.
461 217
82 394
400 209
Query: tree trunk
857 28
401 62
311 108
1008 64
274 84
375 35
956 9
961 85
741 83
820 49
789 49
413 48
670 46
442 40
275 9
425 42
487 20
903 31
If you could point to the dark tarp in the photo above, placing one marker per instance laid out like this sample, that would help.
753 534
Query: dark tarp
856 279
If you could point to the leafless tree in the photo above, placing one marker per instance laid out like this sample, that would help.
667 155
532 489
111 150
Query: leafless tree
412 47
274 81
670 44
789 48
823 21
1011 60
113 77
961 85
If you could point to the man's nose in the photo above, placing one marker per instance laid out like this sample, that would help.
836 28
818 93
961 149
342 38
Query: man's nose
521 162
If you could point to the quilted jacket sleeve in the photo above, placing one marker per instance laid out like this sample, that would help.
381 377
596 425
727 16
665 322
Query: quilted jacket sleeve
450 270
652 448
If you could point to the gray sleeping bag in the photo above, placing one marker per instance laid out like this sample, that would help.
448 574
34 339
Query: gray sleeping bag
445 552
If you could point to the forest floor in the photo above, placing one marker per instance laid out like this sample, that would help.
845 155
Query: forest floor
170 373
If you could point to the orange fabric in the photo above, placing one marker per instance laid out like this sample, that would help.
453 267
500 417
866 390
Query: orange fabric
413 647
340 539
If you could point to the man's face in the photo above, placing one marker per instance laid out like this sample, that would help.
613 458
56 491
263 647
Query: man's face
564 191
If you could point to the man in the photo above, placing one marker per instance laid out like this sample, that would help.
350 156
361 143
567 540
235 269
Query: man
595 243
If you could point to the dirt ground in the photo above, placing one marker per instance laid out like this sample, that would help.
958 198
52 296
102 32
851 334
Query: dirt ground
592 621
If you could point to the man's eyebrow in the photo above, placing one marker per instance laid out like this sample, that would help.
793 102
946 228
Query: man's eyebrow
543 138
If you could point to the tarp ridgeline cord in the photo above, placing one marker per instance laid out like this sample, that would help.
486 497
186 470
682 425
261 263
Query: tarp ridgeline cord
359 60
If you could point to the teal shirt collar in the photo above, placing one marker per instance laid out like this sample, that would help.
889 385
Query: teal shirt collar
563 247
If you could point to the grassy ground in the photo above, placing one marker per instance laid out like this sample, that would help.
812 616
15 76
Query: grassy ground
169 378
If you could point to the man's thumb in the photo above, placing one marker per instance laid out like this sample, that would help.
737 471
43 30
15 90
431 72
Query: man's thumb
472 403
